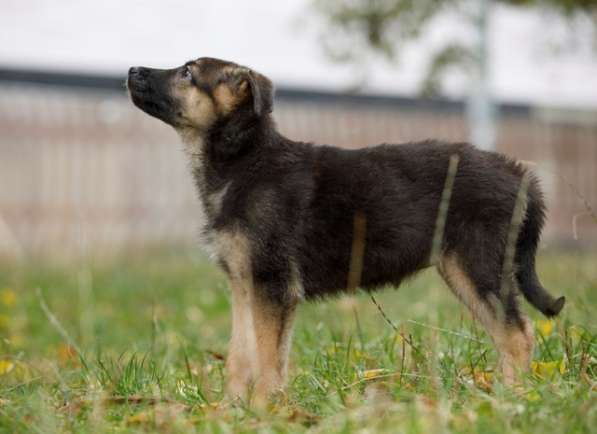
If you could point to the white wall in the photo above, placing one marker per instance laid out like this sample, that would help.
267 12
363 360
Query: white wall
280 38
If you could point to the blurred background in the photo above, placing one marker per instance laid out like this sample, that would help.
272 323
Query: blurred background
84 172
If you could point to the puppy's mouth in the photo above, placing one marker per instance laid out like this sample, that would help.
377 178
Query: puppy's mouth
148 95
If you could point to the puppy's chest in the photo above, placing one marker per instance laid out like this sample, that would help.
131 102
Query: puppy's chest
212 201
212 204
216 205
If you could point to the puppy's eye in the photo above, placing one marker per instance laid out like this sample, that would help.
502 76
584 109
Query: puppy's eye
186 73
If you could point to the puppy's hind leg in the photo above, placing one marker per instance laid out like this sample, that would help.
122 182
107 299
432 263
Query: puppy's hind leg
509 329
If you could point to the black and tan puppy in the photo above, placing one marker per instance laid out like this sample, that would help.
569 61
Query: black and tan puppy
281 217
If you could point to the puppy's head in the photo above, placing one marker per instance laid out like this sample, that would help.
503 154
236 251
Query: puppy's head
200 93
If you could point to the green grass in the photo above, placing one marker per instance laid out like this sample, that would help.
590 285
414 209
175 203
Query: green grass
152 329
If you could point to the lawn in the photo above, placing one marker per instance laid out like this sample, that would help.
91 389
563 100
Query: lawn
137 344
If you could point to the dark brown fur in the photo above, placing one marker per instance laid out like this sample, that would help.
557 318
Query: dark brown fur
280 217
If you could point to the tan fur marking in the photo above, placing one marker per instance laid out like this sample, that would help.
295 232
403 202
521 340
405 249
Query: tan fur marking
227 100
242 353
198 114
193 146
261 330
273 330
216 199
198 111
464 289
296 284
196 107
514 345
357 253
517 351
234 249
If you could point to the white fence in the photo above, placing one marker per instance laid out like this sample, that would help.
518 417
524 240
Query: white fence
84 170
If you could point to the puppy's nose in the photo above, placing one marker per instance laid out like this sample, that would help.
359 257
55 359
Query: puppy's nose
139 72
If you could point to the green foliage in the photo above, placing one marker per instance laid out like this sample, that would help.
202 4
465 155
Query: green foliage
379 23
567 7
153 329
353 29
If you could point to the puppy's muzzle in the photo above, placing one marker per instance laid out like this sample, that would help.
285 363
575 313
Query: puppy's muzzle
138 79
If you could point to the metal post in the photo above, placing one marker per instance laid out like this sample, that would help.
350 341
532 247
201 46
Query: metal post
480 107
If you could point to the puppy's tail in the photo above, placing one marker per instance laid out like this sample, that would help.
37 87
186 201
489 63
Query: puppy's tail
526 248
534 292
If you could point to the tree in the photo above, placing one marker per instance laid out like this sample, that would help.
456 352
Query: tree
356 28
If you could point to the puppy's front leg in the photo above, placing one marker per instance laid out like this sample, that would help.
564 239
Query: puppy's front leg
241 364
272 323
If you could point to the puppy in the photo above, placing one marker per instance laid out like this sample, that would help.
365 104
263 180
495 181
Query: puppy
290 221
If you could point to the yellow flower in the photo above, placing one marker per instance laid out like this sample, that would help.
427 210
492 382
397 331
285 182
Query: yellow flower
545 327
8 297
6 366
546 369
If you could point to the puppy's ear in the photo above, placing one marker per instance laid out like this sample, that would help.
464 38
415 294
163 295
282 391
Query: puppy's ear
262 92
255 87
